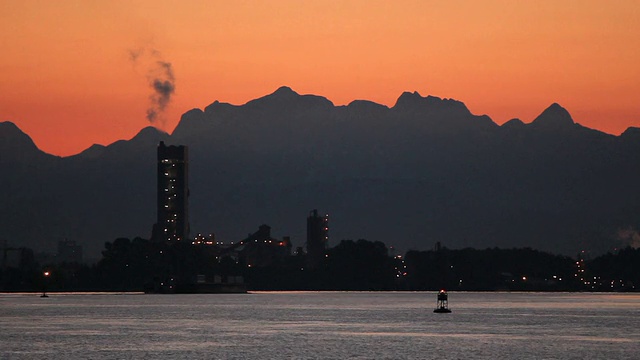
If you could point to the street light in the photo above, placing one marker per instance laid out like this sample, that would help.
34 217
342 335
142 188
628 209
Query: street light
44 284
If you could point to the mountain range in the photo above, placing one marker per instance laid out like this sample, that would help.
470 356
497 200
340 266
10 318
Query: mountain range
426 170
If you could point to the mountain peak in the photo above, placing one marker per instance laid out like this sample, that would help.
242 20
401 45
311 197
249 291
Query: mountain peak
285 95
284 90
14 141
92 152
12 137
5 125
9 129
150 133
408 98
631 133
553 117
513 124
282 94
414 102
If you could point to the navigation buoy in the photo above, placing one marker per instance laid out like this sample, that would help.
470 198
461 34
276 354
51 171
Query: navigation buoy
442 305
44 284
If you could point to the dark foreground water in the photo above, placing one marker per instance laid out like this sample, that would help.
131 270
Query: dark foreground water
312 325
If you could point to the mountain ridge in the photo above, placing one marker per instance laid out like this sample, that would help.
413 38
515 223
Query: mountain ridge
427 166
554 117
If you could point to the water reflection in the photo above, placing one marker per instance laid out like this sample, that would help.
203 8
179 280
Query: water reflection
312 325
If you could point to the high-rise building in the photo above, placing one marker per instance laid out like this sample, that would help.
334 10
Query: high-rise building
317 238
173 194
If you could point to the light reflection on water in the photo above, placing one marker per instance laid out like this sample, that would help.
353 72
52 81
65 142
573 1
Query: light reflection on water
320 325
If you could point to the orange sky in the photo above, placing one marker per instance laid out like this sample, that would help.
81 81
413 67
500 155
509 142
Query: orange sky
67 79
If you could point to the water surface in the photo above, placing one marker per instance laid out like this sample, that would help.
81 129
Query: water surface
320 325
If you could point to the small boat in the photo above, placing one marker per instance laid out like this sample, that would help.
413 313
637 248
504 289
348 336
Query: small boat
442 306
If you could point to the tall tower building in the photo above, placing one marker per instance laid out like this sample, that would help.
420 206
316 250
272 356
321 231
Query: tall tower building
173 194
317 238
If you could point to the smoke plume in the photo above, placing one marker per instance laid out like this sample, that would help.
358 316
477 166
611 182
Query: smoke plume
161 81
163 85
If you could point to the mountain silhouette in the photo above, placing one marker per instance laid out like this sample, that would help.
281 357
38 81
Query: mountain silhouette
554 117
18 149
422 171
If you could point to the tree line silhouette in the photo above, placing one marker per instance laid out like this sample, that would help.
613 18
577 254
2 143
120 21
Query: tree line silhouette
361 265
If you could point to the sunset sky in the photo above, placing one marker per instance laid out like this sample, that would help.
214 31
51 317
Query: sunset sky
74 73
